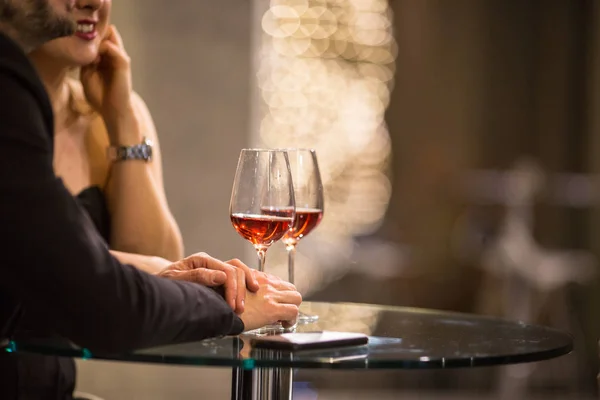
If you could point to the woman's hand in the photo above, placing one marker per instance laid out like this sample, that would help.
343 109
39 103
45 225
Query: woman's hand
276 300
107 83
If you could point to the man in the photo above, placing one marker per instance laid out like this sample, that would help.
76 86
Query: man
57 273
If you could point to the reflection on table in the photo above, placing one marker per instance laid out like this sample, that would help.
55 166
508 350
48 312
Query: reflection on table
409 339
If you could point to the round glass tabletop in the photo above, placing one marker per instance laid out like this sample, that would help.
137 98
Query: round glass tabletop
399 338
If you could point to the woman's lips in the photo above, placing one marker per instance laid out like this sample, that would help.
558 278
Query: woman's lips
86 30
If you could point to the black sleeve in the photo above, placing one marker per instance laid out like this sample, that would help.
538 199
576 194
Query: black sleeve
54 262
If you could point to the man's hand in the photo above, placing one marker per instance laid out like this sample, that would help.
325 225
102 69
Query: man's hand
237 278
276 300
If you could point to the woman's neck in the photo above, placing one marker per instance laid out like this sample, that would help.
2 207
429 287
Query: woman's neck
54 76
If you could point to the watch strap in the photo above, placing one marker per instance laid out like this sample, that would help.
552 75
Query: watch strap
142 151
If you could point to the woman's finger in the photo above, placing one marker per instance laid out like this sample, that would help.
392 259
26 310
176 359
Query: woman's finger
241 290
278 283
287 314
117 37
251 281
112 54
113 36
288 297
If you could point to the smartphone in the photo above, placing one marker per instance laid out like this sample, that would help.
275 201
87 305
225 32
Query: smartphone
296 341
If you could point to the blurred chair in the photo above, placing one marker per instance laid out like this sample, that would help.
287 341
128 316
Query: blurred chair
529 274
515 251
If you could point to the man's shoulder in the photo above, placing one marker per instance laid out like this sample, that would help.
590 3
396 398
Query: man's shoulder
14 62
21 85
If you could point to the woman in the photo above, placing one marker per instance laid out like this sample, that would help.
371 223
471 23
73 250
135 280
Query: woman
94 115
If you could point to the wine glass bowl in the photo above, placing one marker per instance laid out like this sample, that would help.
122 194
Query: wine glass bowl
306 220
262 186
262 206
261 230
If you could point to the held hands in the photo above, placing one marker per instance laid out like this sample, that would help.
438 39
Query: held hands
258 298
107 81
236 277
276 300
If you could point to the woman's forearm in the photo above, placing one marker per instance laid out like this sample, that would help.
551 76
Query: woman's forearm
149 264
141 220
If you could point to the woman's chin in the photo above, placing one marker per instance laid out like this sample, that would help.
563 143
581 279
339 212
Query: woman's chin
84 61
83 57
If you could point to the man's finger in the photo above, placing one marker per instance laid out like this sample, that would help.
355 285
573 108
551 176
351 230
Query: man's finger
218 277
200 260
235 285
205 277
201 276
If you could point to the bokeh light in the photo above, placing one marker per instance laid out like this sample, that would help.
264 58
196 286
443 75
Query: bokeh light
325 75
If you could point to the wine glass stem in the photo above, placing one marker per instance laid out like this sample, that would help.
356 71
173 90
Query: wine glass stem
261 259
291 250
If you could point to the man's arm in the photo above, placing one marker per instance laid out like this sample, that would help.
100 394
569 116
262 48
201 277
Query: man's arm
52 259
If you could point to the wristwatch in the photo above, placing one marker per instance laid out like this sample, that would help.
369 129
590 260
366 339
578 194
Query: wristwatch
142 151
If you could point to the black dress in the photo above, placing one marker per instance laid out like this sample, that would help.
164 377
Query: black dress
93 201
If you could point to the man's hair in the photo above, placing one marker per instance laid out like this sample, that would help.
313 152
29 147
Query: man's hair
33 22
7 10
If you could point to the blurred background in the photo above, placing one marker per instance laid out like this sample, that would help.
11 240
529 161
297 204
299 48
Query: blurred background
459 146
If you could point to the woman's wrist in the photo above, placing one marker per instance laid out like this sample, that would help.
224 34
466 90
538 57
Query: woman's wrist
124 129
158 264
150 264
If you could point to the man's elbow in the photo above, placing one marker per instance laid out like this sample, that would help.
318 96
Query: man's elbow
112 338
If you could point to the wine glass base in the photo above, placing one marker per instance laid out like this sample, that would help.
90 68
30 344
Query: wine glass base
273 329
307 318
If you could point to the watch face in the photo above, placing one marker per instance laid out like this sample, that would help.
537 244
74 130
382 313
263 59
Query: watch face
141 151
146 147
146 150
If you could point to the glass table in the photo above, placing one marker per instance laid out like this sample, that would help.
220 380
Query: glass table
399 338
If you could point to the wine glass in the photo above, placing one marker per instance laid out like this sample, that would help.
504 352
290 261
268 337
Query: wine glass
262 207
308 193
